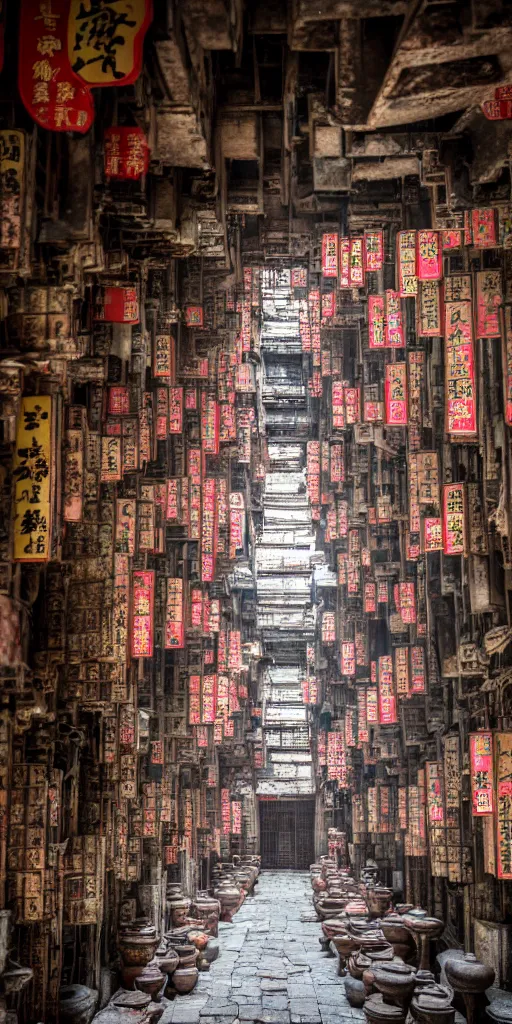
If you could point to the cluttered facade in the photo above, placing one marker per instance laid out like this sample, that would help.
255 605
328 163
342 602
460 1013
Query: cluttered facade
256 464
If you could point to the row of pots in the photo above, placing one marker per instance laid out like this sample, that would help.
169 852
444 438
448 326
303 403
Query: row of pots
376 942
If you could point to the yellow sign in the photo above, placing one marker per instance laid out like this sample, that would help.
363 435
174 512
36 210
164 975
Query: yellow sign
105 39
32 480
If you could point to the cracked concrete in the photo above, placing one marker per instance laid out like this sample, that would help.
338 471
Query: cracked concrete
270 969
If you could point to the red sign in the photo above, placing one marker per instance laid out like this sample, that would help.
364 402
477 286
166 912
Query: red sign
118 306
484 225
356 263
175 410
126 153
344 263
406 260
429 255
387 699
395 394
208 531
142 623
481 767
55 97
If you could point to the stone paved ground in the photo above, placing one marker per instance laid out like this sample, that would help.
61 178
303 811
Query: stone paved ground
270 969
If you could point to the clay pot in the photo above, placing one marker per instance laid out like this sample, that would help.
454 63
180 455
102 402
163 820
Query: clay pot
179 907
187 954
470 977
167 959
379 1012
394 930
395 981
128 976
184 979
431 1004
500 1010
424 928
151 981
207 910
77 1004
379 900
137 944
124 1000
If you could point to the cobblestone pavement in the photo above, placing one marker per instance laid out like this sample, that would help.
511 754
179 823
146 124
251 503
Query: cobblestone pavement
270 969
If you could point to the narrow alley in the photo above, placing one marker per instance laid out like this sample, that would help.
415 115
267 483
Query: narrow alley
271 969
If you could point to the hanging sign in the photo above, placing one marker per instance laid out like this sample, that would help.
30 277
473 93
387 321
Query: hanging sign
105 39
175 410
429 255
418 670
356 263
119 305
454 520
376 337
53 94
209 700
393 326
32 474
484 229
407 600
194 700
387 700
434 784
503 745
402 671
142 623
481 767
174 614
395 394
373 250
432 534
208 531
488 302
330 242
348 658
344 280
12 185
406 259
459 370
430 324
370 598
126 153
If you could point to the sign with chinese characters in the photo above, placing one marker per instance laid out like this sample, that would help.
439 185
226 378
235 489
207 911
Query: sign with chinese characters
142 622
418 671
208 531
488 302
503 747
126 153
105 39
454 519
395 394
432 534
393 327
460 380
12 186
406 260
407 600
481 767
194 700
402 671
330 242
430 323
348 658
429 255
32 474
484 228
53 94
373 250
434 780
174 614
376 321
344 281
118 305
209 699
387 700
356 263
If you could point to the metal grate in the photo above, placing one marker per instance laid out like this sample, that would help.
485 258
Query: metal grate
287 833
